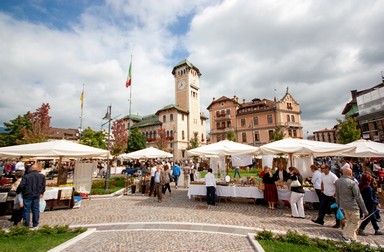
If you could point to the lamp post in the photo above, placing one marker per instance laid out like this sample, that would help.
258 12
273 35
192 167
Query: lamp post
108 117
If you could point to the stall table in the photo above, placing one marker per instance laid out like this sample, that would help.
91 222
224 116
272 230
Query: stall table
246 192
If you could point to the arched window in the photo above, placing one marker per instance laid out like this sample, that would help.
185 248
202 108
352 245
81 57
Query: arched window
182 135
202 137
150 134
292 118
171 117
164 118
288 118
171 133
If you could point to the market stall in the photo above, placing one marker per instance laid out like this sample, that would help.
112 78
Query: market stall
252 192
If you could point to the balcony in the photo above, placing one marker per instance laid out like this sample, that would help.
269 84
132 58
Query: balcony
219 117
293 124
222 130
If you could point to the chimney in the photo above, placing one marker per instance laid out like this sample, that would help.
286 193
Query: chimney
354 94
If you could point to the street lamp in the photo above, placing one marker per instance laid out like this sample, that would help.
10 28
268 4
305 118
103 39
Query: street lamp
108 117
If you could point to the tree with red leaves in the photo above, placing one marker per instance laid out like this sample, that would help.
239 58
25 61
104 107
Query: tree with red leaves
121 138
41 122
161 141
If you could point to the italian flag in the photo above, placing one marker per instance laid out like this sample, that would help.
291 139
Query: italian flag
129 78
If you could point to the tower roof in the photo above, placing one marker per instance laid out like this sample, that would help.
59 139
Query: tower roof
187 63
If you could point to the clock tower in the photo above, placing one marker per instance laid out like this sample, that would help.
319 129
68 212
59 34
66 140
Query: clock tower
187 98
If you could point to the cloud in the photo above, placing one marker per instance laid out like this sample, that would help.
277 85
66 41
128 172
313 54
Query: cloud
320 50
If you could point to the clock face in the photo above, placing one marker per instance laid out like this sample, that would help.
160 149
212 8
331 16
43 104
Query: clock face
181 84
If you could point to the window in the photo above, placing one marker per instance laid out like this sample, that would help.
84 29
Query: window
219 138
257 136
289 105
182 135
292 118
167 133
171 133
154 134
228 111
202 137
270 134
171 117
201 122
269 119
228 124
244 137
182 117
243 122
217 125
164 118
223 125
255 120
288 118
150 134
289 132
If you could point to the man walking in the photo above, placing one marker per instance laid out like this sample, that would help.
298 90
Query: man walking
186 171
350 200
210 183
176 173
328 191
32 187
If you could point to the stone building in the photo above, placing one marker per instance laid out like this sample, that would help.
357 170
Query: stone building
325 135
254 122
181 120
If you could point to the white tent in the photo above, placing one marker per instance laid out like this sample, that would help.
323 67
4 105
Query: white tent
150 152
366 148
60 148
223 148
294 146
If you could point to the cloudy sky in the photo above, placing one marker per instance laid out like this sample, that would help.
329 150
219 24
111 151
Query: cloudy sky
321 50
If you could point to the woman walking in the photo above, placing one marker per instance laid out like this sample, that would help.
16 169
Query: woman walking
297 194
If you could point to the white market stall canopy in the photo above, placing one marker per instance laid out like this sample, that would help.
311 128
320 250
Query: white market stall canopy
150 152
366 148
224 148
294 146
60 148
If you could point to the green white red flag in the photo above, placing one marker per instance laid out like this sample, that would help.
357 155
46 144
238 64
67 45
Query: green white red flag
129 78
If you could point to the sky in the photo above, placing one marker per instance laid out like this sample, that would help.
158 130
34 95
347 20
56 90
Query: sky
320 50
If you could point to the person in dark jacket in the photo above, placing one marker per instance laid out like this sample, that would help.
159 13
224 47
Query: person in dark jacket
281 174
371 204
32 187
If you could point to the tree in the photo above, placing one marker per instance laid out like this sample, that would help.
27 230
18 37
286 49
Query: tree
93 138
136 140
278 134
121 138
231 136
14 135
40 125
162 141
347 130
194 142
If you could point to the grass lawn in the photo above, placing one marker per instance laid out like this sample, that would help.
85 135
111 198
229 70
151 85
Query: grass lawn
243 173
35 242
277 246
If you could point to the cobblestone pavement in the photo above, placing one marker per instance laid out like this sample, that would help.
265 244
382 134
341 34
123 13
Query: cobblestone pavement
138 222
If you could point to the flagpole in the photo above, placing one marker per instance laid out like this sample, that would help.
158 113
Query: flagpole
130 103
82 106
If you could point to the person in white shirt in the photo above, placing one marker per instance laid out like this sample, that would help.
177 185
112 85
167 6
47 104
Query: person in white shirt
20 166
210 183
316 181
152 182
328 189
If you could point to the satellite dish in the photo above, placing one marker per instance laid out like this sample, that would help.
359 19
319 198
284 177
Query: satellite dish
227 178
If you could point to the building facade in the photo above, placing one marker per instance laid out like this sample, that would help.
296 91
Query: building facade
367 108
325 135
254 122
181 121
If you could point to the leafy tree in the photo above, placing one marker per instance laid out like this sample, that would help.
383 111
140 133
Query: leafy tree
194 142
14 135
40 125
162 141
278 134
121 137
231 136
136 140
347 130
93 138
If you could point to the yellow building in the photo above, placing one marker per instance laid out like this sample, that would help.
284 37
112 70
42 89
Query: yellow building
254 122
